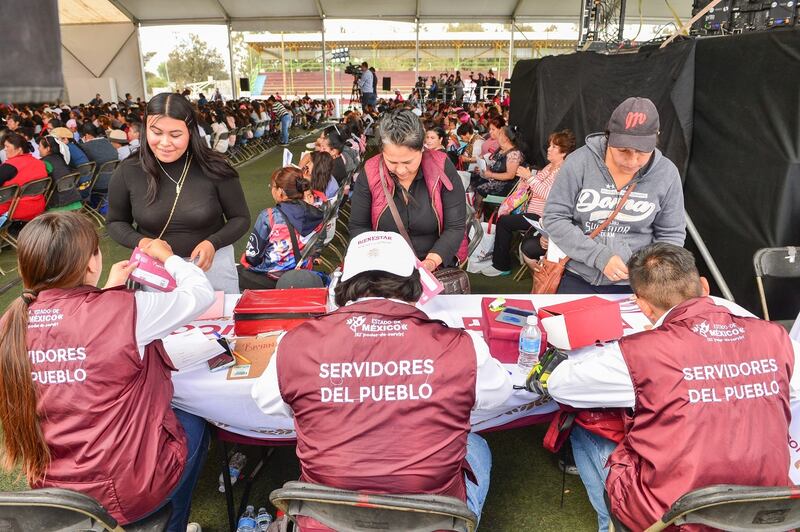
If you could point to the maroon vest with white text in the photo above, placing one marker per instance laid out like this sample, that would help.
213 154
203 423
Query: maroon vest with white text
381 397
104 411
712 407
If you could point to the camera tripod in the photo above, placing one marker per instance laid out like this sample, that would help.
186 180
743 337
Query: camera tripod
355 94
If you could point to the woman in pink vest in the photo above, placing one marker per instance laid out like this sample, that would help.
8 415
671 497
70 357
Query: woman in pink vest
423 186
22 167
85 384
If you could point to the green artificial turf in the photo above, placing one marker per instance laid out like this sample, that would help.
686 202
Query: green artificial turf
525 493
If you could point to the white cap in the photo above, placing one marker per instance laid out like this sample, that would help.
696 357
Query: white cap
378 251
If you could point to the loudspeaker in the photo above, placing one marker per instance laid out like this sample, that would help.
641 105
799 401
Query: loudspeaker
387 84
244 84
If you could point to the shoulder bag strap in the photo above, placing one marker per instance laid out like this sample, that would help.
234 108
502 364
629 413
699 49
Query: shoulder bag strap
293 237
610 219
392 207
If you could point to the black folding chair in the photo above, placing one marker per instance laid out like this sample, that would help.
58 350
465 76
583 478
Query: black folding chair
39 187
52 510
735 508
65 184
355 511
8 194
775 262
87 172
97 196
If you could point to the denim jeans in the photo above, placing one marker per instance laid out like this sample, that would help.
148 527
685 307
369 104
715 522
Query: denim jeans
197 440
591 453
286 121
479 458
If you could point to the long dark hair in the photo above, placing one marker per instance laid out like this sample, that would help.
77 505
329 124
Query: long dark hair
379 284
322 171
173 105
53 251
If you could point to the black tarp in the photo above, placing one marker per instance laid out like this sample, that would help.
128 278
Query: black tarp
30 39
735 101
579 91
743 182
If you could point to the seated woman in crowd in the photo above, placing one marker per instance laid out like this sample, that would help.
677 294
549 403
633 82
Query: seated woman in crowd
467 136
560 144
55 155
435 138
105 426
613 163
22 167
317 167
333 144
501 166
280 232
218 127
424 187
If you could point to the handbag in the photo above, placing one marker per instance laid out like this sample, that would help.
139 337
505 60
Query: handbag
516 201
547 274
454 280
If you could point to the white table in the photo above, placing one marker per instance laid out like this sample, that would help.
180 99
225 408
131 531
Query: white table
228 404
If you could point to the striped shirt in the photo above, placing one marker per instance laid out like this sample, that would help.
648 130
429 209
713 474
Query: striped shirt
539 186
279 110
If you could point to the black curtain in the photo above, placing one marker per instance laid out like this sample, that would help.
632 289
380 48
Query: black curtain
31 48
743 183
579 91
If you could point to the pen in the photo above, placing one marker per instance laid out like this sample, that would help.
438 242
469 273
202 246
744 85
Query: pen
240 357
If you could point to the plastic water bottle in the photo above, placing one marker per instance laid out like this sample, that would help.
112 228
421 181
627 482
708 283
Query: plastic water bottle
247 522
263 519
236 465
530 340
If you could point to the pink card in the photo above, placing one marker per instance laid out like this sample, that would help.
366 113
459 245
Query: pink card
431 286
217 309
151 272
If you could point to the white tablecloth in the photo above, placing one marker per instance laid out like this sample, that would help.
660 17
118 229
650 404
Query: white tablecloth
227 404
795 334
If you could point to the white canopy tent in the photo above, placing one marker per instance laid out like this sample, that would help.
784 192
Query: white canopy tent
108 56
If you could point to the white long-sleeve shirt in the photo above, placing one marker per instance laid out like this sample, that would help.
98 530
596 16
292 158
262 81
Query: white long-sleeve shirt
159 313
493 384
601 379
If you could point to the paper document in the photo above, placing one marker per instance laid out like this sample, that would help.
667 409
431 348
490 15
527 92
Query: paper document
287 157
481 166
217 308
535 223
253 354
554 253
191 347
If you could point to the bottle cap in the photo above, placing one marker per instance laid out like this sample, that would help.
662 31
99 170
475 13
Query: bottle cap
532 320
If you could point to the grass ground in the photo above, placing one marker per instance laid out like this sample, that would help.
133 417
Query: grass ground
526 490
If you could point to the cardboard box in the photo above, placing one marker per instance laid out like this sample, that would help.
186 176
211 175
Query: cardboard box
260 311
503 338
581 322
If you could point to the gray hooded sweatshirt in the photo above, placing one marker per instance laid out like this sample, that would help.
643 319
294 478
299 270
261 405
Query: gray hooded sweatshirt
584 195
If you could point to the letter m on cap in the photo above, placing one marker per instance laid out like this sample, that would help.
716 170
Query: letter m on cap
635 119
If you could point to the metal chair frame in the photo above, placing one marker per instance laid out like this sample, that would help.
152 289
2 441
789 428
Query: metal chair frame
786 265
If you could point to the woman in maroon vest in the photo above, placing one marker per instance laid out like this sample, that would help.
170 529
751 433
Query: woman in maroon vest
85 385
424 186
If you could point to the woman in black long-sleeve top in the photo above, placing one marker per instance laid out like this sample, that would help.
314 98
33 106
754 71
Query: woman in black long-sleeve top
210 213
436 228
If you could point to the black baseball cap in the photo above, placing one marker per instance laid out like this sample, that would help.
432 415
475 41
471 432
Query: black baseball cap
634 124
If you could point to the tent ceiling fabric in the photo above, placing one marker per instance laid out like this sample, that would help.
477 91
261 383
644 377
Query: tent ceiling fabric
306 15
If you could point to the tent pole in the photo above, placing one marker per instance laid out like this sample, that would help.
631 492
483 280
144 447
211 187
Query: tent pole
511 48
710 262
234 91
141 59
416 47
283 64
324 65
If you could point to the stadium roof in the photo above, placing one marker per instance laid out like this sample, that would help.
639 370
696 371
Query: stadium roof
307 15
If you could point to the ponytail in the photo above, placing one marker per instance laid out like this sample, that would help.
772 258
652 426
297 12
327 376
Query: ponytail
23 441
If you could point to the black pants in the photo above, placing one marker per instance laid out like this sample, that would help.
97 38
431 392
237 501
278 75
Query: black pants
506 225
255 280
575 284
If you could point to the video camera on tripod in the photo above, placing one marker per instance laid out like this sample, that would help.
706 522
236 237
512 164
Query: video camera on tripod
353 70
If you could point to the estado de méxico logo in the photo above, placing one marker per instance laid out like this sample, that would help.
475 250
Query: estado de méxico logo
719 332
362 326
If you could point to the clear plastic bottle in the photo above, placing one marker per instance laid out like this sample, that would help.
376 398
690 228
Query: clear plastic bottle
236 465
530 341
247 522
263 520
